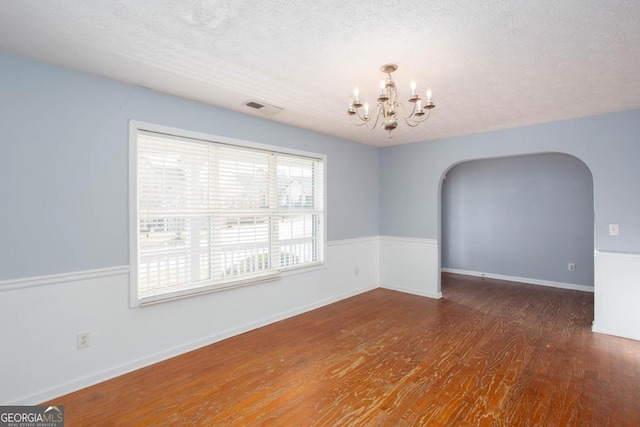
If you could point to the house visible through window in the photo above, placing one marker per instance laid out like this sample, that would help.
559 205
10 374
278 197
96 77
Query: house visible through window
213 213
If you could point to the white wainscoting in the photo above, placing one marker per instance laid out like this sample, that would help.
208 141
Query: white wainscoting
520 279
42 316
410 265
617 294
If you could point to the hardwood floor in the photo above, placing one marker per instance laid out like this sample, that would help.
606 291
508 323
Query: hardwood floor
489 353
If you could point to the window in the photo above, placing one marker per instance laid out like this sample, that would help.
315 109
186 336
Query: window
209 213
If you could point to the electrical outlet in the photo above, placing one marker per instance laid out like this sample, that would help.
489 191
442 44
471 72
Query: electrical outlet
614 230
356 271
572 267
83 339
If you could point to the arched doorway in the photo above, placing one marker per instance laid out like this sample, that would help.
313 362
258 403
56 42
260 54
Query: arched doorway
527 218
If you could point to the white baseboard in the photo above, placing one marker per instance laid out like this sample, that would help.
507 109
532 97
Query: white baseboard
529 281
623 332
418 292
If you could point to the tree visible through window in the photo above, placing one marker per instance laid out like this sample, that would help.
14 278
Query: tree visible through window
211 215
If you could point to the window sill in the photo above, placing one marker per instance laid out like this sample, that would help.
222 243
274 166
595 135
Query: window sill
187 293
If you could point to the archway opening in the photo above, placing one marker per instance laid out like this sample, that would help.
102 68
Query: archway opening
526 218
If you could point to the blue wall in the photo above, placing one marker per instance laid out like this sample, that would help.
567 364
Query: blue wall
64 165
609 144
524 216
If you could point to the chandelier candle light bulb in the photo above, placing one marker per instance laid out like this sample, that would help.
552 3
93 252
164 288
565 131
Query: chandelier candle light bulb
356 101
388 107
429 104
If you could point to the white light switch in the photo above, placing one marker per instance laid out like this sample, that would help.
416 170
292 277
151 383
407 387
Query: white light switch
614 230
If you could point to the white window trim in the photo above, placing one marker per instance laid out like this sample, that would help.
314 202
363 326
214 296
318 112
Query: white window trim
134 127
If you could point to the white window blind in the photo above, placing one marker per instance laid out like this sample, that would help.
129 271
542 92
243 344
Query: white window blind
214 215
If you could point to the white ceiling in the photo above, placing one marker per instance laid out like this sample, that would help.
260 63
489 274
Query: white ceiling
492 64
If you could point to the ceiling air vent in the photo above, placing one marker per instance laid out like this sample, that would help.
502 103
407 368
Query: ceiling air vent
263 107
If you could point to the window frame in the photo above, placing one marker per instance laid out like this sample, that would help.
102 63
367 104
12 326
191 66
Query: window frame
135 127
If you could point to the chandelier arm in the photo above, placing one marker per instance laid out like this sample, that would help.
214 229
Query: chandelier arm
362 122
425 117
403 110
412 116
359 116
409 123
415 122
413 110
377 112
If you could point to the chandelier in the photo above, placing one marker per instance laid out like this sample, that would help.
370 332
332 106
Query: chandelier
388 108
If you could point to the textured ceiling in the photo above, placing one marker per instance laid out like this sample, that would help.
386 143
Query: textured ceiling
491 64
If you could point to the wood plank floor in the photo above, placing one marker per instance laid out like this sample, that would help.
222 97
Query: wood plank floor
490 353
